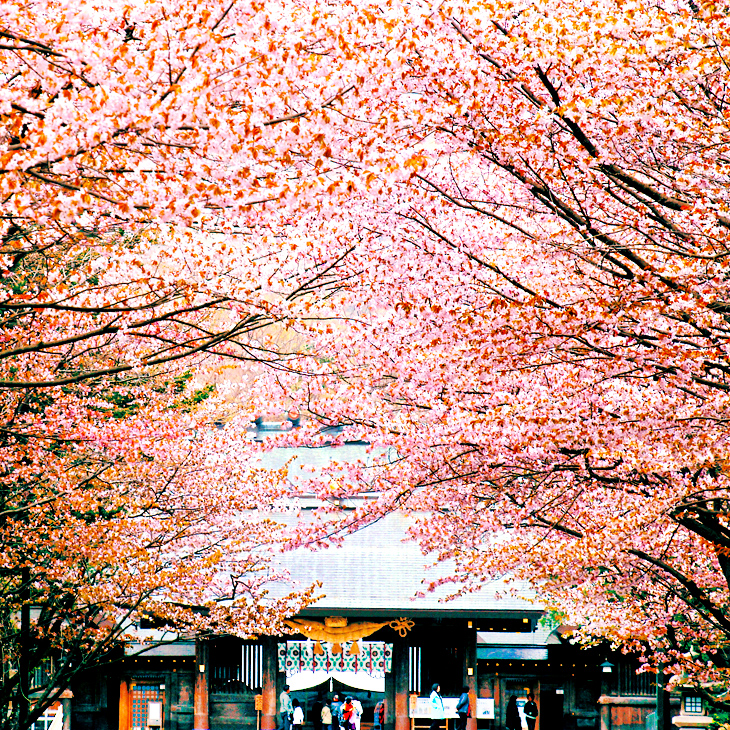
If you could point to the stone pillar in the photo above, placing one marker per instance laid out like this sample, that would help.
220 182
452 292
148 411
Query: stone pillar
200 698
125 705
269 718
470 680
400 686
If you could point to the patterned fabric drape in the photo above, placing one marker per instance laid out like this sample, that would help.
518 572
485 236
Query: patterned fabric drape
374 658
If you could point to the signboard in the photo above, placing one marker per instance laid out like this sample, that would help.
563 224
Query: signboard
485 708
420 707
154 714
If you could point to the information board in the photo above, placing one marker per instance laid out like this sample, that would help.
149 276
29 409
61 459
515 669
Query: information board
421 708
485 708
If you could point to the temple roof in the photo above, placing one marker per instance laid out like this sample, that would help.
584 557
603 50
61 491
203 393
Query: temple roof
378 572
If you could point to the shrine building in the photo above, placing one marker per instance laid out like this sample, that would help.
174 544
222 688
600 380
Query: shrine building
373 635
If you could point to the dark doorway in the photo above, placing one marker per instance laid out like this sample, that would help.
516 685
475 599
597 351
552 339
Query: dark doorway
550 707
519 687
442 665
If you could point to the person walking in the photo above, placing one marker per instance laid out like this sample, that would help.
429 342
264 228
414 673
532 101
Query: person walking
512 718
285 709
346 712
437 707
326 716
462 708
531 713
379 715
356 713
317 712
336 713
297 718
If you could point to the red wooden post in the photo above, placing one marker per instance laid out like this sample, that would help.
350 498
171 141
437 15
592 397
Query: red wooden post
201 720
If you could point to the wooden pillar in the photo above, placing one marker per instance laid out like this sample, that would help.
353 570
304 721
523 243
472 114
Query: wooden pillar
269 718
201 720
125 705
663 712
470 680
389 722
401 720
605 717
67 705
498 695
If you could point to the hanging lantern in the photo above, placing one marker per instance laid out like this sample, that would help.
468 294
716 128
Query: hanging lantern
318 650
354 649
336 649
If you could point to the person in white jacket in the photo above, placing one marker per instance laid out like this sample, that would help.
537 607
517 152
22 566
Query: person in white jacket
297 720
437 707
356 713
326 717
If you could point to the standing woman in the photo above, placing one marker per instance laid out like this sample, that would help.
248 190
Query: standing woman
379 715
530 710
462 709
346 712
297 721
357 713
326 715
437 707
336 708
512 719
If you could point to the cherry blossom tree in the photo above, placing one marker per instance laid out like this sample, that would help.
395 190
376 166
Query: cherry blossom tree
164 166
516 214
539 318
119 521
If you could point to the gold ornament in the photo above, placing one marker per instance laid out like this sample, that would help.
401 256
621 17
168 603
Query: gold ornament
319 631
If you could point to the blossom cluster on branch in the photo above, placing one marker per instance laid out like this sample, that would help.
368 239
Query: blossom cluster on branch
539 322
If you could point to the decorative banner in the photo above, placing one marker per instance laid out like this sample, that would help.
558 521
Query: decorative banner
374 658
337 629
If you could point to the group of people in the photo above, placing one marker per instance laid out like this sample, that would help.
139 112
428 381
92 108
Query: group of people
438 712
337 715
512 718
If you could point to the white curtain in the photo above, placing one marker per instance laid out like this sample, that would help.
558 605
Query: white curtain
358 680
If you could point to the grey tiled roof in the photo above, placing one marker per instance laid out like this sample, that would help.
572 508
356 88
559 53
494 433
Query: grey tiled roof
377 572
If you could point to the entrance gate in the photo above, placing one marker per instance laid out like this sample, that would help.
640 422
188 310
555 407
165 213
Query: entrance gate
520 688
147 703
